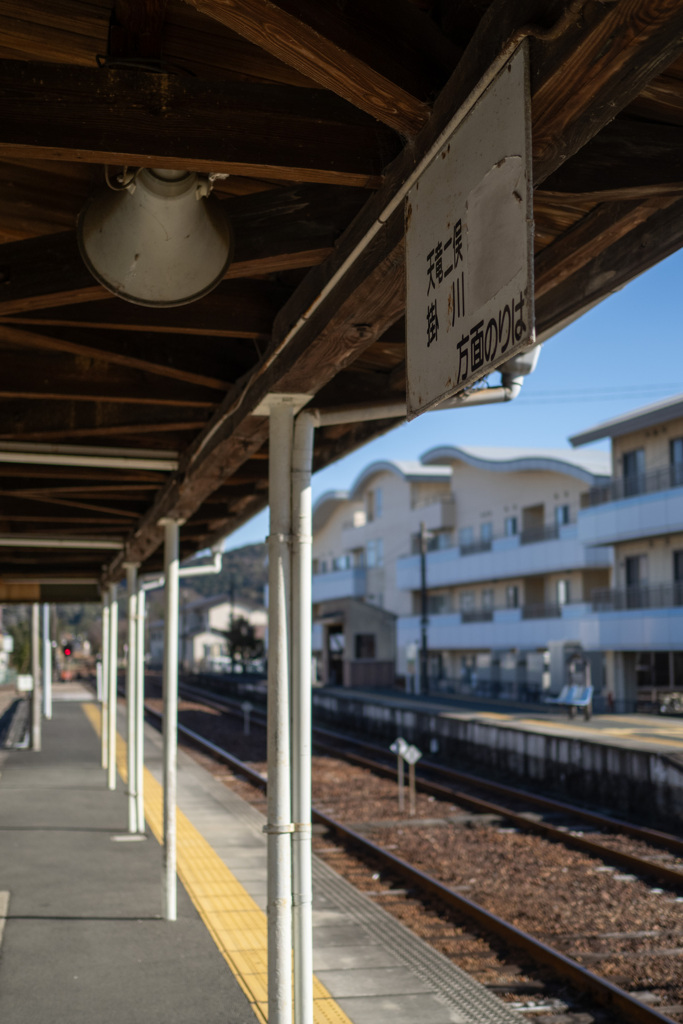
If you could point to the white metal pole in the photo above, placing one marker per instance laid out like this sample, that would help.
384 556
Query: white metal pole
169 894
113 682
302 891
47 664
36 724
279 826
131 702
140 711
105 679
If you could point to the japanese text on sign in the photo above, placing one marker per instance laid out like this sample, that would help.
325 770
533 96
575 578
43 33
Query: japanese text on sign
469 233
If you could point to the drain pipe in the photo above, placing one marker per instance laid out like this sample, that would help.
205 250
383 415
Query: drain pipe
279 826
47 664
113 672
140 709
36 724
302 893
170 720
104 733
131 699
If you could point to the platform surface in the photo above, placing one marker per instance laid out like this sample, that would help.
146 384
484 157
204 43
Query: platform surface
657 733
84 940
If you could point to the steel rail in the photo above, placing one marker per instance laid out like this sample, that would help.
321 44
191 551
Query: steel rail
616 999
659 872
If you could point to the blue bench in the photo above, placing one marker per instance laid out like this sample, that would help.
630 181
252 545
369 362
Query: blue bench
573 698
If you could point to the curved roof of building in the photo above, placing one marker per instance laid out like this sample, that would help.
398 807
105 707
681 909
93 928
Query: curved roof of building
586 466
409 470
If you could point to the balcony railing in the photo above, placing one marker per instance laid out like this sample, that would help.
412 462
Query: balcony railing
535 534
661 595
477 615
629 486
475 546
541 611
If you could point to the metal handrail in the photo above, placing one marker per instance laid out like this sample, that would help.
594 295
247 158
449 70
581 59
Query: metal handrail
534 534
542 610
662 479
659 595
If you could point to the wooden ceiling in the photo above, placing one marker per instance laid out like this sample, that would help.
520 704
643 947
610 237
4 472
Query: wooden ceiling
318 113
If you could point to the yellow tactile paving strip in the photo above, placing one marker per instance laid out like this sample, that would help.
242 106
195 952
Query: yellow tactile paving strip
236 923
666 733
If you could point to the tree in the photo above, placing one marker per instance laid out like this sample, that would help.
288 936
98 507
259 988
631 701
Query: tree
243 644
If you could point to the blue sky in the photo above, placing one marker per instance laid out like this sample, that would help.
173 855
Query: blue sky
621 355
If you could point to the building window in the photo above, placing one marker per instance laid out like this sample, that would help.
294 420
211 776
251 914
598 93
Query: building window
676 460
633 469
678 566
512 596
341 562
437 604
365 645
374 553
465 536
635 568
562 591
561 515
510 526
467 601
358 558
373 505
486 532
487 599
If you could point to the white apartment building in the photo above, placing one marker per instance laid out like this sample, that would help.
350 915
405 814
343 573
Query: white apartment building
638 619
503 566
358 536
508 583
532 556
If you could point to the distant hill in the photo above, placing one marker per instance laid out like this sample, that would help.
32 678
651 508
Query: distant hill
244 569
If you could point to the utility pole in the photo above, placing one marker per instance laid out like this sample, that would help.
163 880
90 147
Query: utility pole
424 624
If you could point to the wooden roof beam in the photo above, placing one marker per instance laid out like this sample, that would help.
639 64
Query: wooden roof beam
653 239
628 159
283 229
101 116
317 45
578 91
556 91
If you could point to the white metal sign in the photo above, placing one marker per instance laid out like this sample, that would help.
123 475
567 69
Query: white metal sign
469 247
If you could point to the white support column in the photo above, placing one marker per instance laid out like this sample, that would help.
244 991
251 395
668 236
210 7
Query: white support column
131 702
279 826
113 702
302 888
36 723
47 664
170 883
105 680
140 712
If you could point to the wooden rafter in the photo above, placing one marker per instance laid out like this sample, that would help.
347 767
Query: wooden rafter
332 65
274 231
601 75
58 112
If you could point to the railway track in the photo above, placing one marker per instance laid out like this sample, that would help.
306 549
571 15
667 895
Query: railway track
569 834
618 1002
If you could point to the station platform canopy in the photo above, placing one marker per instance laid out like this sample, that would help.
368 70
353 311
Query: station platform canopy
310 118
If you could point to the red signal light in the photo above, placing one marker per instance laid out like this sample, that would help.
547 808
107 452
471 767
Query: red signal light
67 651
